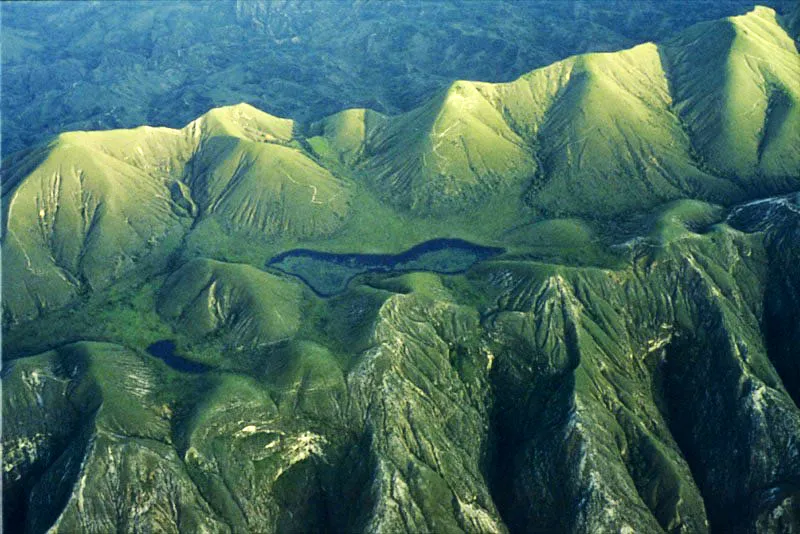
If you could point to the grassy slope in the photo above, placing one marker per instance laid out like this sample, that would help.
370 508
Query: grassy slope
80 212
736 87
418 401
204 297
345 135
448 154
594 136
608 142
568 377
91 205
114 420
599 134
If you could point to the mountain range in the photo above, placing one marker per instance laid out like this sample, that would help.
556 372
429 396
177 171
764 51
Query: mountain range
627 364
97 66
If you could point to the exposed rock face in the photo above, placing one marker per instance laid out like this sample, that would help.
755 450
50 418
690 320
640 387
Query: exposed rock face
660 394
628 364
647 399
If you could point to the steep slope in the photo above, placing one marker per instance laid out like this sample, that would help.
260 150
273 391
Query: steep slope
610 417
101 419
265 189
248 175
91 206
449 154
629 366
558 401
83 210
597 136
736 86
95 66
711 114
243 121
602 127
347 135
255 308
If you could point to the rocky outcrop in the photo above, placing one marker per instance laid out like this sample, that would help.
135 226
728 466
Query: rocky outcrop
652 398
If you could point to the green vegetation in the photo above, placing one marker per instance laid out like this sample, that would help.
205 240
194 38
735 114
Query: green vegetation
760 75
627 365
91 66
598 137
204 298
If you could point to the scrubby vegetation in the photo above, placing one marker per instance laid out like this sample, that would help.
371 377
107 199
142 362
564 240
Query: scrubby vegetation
626 364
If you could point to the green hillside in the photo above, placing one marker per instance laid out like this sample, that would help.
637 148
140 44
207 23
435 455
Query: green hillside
606 137
559 396
205 297
91 206
90 66
448 155
736 86
624 359
85 209
709 115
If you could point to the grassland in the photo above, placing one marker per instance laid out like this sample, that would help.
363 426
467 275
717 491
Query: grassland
547 386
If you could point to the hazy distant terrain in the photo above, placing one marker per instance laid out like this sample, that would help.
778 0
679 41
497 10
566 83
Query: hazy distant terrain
80 65
558 299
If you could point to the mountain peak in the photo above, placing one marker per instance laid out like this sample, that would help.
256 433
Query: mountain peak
244 122
735 82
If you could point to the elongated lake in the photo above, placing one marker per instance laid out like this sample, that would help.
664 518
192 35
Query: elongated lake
329 274
165 350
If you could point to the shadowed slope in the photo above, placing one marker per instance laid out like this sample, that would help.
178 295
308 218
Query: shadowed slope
736 85
595 136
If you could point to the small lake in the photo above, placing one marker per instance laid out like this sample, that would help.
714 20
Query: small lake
329 274
165 350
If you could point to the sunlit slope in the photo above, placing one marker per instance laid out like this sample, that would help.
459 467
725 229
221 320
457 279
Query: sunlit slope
243 121
255 307
605 135
90 206
556 399
248 175
265 188
82 210
346 135
712 115
449 154
736 86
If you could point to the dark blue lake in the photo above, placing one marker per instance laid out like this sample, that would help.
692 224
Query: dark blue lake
165 350
329 274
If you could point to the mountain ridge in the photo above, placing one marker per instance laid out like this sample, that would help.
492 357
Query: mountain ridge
628 364
595 135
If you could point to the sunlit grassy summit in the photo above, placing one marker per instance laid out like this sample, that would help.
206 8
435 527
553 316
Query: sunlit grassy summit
566 303
712 115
